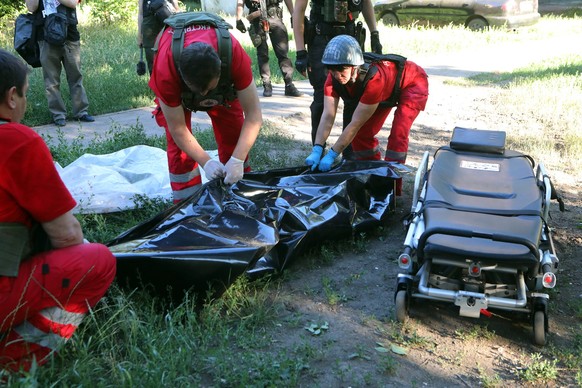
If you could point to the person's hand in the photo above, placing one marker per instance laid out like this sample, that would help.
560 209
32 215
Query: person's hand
301 62
313 159
375 42
234 170
241 26
327 161
213 169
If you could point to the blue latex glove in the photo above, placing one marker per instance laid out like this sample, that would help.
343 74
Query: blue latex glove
327 161
313 159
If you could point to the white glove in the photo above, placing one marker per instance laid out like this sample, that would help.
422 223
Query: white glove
234 170
213 169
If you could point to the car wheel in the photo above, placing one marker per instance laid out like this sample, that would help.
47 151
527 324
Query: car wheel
476 24
390 19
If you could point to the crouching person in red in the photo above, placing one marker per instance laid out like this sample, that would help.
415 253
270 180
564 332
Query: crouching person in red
369 91
49 279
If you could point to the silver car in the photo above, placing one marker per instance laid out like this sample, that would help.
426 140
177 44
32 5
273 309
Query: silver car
473 14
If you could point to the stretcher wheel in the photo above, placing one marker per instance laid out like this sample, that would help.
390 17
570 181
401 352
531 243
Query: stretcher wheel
539 328
401 303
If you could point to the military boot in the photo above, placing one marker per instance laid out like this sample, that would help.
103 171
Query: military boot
267 89
291 91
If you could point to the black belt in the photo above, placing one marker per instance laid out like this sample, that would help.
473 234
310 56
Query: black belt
331 30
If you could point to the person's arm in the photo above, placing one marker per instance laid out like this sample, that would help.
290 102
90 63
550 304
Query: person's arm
362 114
289 5
368 13
32 5
69 3
249 101
239 9
182 135
330 105
176 5
240 25
64 231
299 23
139 22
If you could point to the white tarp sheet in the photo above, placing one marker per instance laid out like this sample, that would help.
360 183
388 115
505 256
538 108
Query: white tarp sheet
108 183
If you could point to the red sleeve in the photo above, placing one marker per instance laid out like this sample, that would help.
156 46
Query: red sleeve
240 70
37 187
165 82
328 89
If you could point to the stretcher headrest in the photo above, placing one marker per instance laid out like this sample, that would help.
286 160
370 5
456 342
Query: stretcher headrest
478 140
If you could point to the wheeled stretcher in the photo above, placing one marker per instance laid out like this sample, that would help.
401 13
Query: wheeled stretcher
477 232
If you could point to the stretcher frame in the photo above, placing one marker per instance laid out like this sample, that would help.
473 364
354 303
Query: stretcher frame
477 282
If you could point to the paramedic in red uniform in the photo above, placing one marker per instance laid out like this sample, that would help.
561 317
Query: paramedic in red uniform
44 293
235 126
343 58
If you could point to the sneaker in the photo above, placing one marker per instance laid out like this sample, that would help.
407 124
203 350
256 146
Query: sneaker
267 89
291 90
60 122
87 118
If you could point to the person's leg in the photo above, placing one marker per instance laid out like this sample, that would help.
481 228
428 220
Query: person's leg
397 148
150 27
184 171
49 298
365 144
50 58
263 61
317 76
280 42
72 63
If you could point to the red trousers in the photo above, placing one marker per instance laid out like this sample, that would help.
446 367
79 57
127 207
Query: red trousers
41 307
184 173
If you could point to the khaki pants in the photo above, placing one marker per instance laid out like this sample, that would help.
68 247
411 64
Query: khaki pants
53 59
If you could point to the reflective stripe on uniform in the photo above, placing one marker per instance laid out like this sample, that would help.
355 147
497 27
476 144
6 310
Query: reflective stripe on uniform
395 156
185 177
180 195
30 333
61 316
365 154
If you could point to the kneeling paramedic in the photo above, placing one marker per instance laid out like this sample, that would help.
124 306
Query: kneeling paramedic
49 278
199 65
369 91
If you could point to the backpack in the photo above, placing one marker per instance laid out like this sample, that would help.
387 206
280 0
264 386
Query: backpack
225 91
367 70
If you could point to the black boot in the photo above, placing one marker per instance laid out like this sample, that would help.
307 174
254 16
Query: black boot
291 90
267 89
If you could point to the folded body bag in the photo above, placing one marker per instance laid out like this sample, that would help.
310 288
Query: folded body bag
25 39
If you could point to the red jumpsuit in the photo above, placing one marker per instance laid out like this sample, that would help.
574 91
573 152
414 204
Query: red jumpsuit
42 306
226 121
413 97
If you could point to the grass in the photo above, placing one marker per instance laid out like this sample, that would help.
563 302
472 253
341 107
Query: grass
133 338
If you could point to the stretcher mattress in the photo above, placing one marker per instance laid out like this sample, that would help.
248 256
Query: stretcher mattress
485 207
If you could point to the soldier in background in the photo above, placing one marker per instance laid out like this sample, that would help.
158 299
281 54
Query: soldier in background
328 18
266 16
149 26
